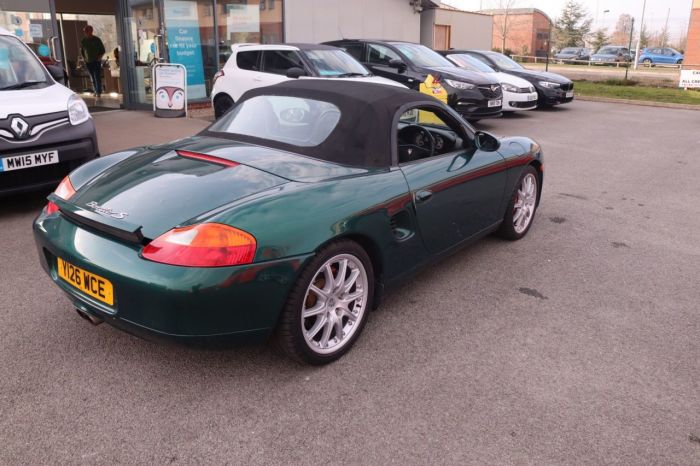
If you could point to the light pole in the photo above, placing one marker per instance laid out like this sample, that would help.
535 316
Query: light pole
639 40
627 68
549 46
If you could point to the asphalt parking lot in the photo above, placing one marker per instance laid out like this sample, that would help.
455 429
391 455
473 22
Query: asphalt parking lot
577 345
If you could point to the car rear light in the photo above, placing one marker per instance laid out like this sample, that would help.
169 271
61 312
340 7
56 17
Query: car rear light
65 191
202 245
217 75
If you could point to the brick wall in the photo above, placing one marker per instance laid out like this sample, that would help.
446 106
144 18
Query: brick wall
524 31
692 53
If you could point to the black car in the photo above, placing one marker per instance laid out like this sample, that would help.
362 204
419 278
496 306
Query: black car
472 95
573 55
552 88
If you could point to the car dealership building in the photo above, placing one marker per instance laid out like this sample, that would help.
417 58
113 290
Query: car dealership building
198 33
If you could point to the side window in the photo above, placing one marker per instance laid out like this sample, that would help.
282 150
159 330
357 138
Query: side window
248 60
354 49
481 59
279 61
424 132
381 55
668 52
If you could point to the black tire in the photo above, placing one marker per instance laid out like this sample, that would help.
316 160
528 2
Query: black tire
679 62
508 230
647 61
289 335
222 104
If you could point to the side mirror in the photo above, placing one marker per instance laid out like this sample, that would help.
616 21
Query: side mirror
398 64
486 142
295 72
56 72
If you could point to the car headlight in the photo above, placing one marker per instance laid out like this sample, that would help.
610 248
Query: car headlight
77 110
549 84
459 84
509 87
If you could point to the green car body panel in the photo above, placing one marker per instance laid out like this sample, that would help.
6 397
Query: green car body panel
292 205
292 198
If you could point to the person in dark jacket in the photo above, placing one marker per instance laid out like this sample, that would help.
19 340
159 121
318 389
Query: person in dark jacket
92 49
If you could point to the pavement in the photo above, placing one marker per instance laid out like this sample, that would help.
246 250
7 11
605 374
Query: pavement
577 345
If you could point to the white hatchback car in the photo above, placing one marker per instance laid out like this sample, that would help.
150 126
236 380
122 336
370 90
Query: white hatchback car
251 66
518 94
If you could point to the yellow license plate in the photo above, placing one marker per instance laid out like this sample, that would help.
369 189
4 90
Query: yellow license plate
89 283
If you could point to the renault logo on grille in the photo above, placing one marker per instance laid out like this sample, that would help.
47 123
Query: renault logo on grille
19 127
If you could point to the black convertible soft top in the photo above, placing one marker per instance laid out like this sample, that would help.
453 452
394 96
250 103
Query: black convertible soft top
363 135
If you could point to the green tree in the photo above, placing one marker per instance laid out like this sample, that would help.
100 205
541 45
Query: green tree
573 25
600 38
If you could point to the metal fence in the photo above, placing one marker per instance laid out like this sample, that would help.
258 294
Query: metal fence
623 64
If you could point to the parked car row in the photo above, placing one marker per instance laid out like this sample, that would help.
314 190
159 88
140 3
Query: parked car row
477 84
617 54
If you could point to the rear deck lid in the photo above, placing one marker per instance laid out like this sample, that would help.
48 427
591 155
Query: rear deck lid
160 189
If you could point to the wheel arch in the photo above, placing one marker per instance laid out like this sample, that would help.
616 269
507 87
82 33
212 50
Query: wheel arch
539 167
371 247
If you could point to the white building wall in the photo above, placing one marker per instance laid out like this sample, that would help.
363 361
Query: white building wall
468 30
314 21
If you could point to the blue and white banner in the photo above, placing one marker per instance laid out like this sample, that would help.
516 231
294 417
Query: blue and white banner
185 44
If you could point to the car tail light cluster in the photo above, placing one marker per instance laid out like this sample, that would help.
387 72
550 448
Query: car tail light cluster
65 191
202 245
217 75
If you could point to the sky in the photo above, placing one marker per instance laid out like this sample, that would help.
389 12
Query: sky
654 17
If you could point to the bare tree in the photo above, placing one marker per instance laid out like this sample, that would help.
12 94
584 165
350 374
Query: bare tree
503 22
621 35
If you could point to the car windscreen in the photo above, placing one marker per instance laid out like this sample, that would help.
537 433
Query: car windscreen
19 68
504 62
569 50
470 63
297 121
420 55
335 63
609 51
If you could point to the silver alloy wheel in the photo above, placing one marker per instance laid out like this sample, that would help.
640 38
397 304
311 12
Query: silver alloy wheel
334 304
524 206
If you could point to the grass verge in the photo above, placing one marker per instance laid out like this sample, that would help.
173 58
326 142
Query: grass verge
618 89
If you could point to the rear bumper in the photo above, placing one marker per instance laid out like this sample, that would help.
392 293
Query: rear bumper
75 145
156 301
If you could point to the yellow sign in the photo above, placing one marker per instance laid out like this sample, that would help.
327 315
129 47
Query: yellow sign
88 283
433 88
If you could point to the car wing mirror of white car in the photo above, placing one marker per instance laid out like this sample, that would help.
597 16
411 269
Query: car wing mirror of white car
295 72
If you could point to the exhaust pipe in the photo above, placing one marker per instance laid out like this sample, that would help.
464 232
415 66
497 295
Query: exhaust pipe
94 320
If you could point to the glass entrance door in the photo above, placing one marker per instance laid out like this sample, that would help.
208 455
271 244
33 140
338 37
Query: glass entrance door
34 22
143 40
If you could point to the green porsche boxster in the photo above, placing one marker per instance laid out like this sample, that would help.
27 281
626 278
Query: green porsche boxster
286 218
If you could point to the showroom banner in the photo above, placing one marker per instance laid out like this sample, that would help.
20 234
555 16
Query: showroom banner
170 84
185 44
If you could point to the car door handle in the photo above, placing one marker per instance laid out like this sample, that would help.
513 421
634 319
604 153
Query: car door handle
423 195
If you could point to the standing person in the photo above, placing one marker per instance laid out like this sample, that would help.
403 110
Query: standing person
92 49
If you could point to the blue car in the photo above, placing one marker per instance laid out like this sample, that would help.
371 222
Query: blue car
660 55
